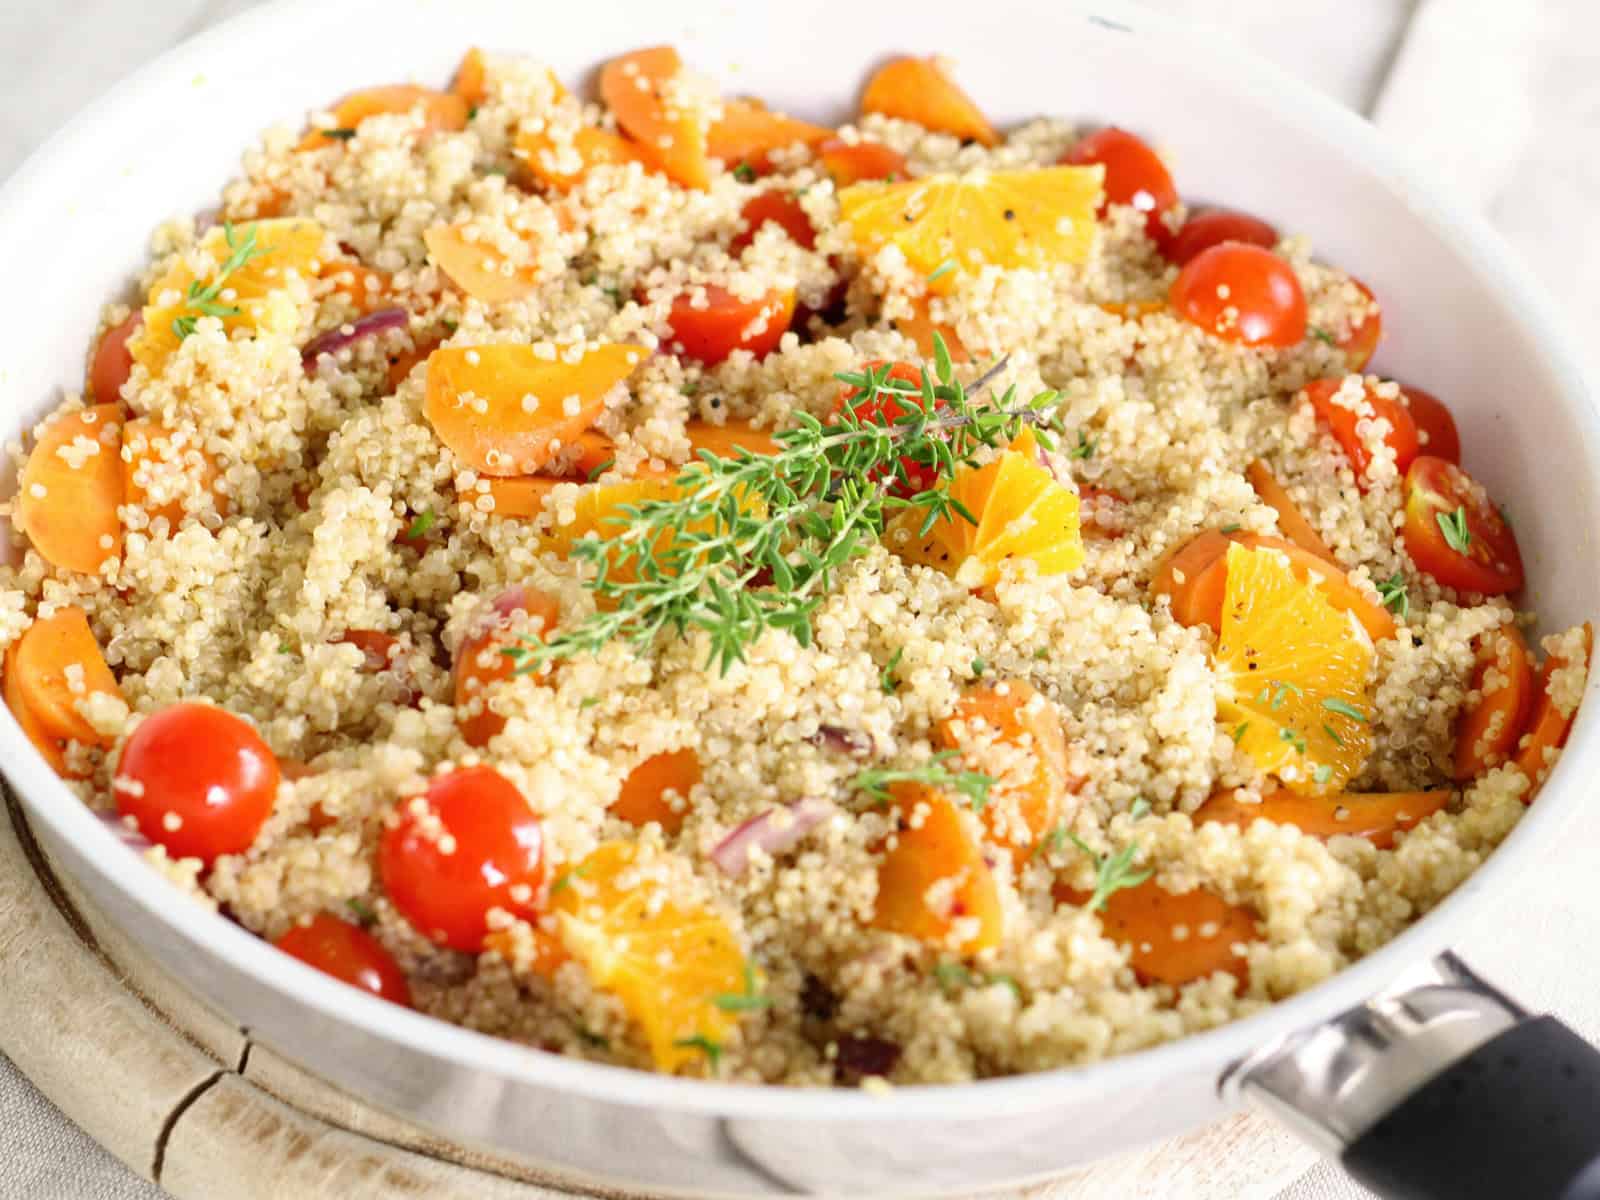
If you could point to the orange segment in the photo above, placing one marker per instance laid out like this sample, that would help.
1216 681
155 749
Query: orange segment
160 469
478 268
505 409
70 488
1175 937
1023 513
1550 724
1292 674
667 962
933 884
1011 733
640 89
563 167
441 111
1488 729
1290 519
646 792
748 131
277 250
945 225
1376 816
58 663
48 745
917 89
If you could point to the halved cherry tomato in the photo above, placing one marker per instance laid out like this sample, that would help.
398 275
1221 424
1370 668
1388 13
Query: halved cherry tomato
1101 512
710 331
1454 532
1548 727
1488 730
643 797
474 845
861 162
1135 175
350 954
1361 343
782 209
480 662
913 477
1376 816
1342 422
112 364
198 780
1215 226
1435 426
1242 293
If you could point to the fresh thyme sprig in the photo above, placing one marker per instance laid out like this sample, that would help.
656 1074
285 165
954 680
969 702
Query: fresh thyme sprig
1113 872
753 542
204 300
974 785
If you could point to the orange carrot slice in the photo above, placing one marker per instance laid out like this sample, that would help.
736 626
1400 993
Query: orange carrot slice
70 488
478 268
49 746
920 328
441 111
638 89
479 663
1549 726
725 441
546 951
917 89
1010 732
1487 731
469 82
748 131
521 497
933 848
1290 519
593 147
159 470
644 795
365 288
504 409
58 663
1175 938
1376 816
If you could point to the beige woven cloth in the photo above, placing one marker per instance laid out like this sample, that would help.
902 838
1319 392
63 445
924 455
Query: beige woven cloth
1497 98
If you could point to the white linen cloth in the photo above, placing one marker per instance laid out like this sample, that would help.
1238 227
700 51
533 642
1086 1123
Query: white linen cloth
1498 99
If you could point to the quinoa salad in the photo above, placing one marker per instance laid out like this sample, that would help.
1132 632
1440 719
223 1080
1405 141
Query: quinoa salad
674 585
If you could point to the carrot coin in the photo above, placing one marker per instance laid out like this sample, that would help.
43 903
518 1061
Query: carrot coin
1488 729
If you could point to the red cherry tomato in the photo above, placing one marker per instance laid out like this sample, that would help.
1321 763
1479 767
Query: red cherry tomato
861 162
1454 532
1435 423
1135 175
885 409
1243 294
376 646
710 331
1215 226
348 953
112 364
1361 343
781 208
475 845
1342 422
198 780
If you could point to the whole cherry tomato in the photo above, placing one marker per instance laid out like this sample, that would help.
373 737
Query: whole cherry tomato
1215 226
348 953
1135 175
1242 294
782 209
1361 343
710 329
112 363
1454 532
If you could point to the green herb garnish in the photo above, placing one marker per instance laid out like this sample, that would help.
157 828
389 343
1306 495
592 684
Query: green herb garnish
1323 773
1238 731
886 679
1322 335
1454 527
712 1050
744 173
1113 872
564 880
1086 446
1344 709
974 785
979 666
599 469
589 702
339 135
204 301
747 1001
951 975
942 270
1332 733
425 521
1231 527
1392 591
1294 737
361 910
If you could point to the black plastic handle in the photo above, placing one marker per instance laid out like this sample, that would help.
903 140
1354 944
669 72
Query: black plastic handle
1517 1119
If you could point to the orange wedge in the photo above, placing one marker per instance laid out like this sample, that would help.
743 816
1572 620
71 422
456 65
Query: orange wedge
478 268
1293 674
667 962
946 225
505 409
285 247
1023 513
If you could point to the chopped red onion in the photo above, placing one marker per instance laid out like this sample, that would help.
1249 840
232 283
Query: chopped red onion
335 340
774 831
861 1055
846 741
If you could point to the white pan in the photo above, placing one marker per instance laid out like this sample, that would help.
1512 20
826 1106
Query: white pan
1462 318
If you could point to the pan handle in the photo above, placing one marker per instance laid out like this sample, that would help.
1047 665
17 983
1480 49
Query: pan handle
1440 1088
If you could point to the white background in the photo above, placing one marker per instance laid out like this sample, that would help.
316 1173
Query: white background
1500 97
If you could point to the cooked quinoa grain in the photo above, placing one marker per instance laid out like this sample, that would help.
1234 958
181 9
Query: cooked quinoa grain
993 809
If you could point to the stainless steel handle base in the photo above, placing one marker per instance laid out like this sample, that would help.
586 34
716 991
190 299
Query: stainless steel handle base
1440 1086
